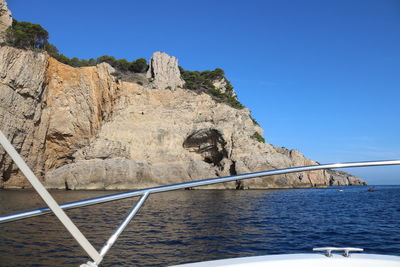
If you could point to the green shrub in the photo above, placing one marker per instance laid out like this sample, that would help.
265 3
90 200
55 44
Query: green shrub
63 59
26 35
216 74
108 59
226 98
83 63
75 62
194 80
258 137
233 101
139 65
203 82
117 75
122 64
91 62
51 49
254 120
229 86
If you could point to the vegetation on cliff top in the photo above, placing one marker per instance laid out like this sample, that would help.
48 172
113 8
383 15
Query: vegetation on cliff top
258 137
27 35
201 81
137 66
204 82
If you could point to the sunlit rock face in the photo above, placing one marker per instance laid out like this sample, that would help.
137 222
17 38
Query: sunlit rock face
163 72
82 128
22 89
5 20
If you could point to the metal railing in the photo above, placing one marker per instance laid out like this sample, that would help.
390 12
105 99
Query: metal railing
144 193
346 251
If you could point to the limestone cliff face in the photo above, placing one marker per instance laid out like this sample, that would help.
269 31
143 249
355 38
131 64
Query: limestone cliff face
163 72
5 19
76 103
81 128
22 90
48 109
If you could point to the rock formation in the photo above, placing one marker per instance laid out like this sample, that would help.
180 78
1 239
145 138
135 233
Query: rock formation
22 90
163 72
222 86
82 128
342 178
5 19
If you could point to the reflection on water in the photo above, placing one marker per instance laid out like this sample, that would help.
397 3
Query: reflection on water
188 226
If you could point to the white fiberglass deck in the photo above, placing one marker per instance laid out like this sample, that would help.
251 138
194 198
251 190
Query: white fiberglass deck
305 260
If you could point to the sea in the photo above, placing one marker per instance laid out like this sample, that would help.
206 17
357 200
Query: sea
198 225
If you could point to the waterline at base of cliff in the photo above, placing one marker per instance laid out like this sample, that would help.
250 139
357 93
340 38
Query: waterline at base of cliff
83 128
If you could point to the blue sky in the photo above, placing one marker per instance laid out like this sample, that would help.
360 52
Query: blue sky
319 76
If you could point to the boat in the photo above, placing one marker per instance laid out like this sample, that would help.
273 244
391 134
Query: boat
307 260
327 256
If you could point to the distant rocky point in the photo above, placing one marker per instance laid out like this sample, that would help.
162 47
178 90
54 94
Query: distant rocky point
86 128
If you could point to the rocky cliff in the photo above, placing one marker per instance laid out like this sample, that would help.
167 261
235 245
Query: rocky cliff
22 98
5 19
163 72
82 128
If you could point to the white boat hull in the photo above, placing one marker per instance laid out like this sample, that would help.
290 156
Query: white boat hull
305 260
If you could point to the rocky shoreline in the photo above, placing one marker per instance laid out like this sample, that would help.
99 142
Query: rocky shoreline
83 128
97 128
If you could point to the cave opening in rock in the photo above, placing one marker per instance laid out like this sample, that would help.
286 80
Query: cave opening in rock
209 143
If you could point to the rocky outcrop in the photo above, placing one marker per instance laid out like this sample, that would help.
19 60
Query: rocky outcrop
77 101
222 86
81 128
114 173
22 90
163 72
343 178
5 20
180 136
49 110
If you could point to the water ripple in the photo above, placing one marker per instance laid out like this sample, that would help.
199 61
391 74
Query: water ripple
187 226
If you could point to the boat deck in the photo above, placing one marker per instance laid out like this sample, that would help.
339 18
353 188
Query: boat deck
305 260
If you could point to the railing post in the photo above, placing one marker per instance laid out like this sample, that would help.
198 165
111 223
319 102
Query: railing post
110 242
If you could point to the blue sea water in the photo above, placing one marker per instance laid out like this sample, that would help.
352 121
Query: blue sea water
197 225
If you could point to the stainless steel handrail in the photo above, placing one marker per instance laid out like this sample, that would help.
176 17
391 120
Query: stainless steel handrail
159 189
48 199
81 239
110 242
87 246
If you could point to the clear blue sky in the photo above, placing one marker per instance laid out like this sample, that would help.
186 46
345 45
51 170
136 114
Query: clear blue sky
319 76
